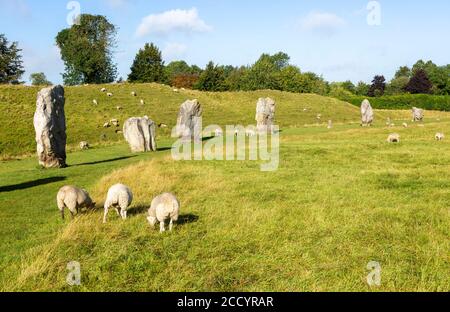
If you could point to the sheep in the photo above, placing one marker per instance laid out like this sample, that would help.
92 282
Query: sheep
106 125
114 122
84 145
119 108
330 124
119 196
439 136
164 207
394 138
175 90
109 94
95 102
142 102
103 90
74 199
405 125
133 93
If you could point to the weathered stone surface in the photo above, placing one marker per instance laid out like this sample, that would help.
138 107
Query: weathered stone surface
366 113
189 121
140 133
265 115
50 126
417 114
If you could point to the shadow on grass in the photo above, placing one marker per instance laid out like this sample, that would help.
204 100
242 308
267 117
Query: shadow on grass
30 184
163 149
102 161
182 219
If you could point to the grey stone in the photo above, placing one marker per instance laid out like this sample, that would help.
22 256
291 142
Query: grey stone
50 126
265 114
366 113
417 114
189 120
140 133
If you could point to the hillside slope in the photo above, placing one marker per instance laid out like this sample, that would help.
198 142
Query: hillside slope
85 121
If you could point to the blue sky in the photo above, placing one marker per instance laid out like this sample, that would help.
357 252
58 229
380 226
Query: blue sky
331 38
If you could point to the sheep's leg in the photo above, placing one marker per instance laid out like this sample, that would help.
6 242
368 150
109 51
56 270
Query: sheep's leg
171 225
124 214
71 214
162 228
62 213
105 214
118 212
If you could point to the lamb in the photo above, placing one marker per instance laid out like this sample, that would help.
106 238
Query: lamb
106 125
439 136
74 199
119 196
84 145
164 207
394 138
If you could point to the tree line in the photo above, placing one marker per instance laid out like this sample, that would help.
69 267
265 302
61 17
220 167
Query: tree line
87 50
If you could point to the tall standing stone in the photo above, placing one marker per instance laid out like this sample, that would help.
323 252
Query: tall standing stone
417 114
265 115
50 127
189 121
140 133
366 113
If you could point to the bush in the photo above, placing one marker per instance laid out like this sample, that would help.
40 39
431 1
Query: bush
406 101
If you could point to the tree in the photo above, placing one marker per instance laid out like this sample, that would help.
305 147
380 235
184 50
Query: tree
39 79
181 75
378 86
212 78
419 83
403 71
11 68
397 85
362 88
349 86
148 65
87 50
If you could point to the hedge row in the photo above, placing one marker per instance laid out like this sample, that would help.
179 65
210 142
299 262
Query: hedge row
406 101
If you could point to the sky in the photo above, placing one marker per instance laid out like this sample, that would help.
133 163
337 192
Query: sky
340 40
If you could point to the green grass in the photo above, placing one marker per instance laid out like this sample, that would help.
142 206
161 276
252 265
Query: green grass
339 200
85 121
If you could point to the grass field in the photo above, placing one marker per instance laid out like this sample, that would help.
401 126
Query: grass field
340 199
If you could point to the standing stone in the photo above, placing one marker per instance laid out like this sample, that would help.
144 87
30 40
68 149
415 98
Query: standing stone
140 133
366 113
50 127
189 121
417 114
265 115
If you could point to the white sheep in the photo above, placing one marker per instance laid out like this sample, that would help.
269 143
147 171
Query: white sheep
142 102
133 93
106 125
74 199
95 102
119 196
439 136
405 125
164 207
394 138
109 94
84 145
103 90
218 132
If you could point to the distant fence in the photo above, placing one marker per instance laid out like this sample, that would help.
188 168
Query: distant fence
406 101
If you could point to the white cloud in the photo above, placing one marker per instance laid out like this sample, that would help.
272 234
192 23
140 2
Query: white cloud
173 51
322 23
187 21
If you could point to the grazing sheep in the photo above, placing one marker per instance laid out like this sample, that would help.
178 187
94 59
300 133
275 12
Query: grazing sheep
95 102
319 116
439 136
164 207
114 122
74 199
119 196
133 93
142 102
103 90
84 145
119 108
109 94
394 138
330 124
106 125
405 125
175 90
